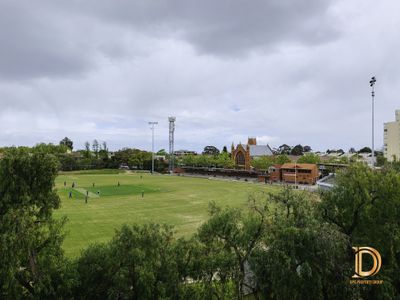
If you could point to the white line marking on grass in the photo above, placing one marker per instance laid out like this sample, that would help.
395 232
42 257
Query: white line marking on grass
83 191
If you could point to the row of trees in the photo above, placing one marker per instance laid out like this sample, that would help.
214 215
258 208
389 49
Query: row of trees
264 162
221 160
296 150
285 245
132 158
300 150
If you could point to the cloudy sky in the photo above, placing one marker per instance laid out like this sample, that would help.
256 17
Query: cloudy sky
284 71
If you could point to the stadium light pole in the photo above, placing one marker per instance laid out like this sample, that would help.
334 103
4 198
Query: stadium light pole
152 126
372 85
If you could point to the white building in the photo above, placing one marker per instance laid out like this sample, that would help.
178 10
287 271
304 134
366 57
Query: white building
391 138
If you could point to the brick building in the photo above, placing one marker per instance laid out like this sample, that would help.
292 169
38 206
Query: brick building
299 173
243 154
291 173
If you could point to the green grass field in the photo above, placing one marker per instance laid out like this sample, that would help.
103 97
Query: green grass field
174 200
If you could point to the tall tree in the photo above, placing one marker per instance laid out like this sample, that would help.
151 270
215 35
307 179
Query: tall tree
303 256
67 142
297 150
210 150
365 150
87 150
232 236
95 147
104 148
31 261
365 206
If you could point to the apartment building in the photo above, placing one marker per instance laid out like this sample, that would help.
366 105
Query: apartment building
391 139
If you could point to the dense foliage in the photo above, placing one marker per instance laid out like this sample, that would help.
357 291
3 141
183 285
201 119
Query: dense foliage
220 160
309 158
264 162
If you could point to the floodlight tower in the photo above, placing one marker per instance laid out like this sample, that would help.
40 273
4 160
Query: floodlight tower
372 85
171 143
152 125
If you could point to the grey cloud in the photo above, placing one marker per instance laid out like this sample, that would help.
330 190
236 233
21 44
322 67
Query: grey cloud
35 42
60 39
221 27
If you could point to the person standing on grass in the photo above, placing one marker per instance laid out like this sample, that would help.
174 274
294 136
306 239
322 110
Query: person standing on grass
65 183
70 194
93 184
142 194
86 199
73 184
119 184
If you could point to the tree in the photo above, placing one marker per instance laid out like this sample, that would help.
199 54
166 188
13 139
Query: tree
365 150
96 148
263 162
210 150
307 149
340 151
282 159
31 261
103 152
225 149
380 160
364 205
284 149
87 150
309 158
297 150
67 142
188 160
104 148
140 262
231 236
162 152
352 150
303 256
50 148
224 160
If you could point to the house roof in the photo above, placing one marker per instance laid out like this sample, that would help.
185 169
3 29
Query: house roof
299 166
260 150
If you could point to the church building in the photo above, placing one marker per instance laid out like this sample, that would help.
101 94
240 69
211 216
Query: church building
243 154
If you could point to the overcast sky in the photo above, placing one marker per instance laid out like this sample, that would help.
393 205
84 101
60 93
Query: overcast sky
284 71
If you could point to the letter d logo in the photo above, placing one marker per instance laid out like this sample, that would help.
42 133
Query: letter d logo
359 251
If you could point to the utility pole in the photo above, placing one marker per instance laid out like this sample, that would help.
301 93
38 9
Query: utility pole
152 125
372 85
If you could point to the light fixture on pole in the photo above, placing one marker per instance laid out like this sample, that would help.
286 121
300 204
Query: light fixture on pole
372 85
152 125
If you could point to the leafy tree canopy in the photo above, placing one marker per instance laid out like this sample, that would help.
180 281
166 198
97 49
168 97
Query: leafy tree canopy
67 142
